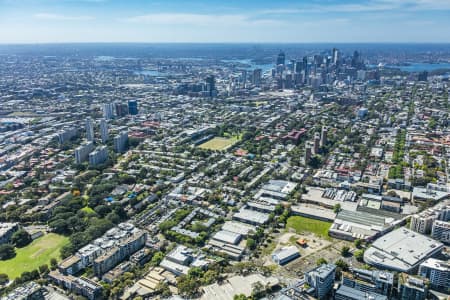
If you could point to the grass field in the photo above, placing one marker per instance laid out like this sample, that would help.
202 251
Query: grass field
219 143
302 225
39 252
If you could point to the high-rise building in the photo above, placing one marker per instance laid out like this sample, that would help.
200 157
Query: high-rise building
412 287
210 85
121 142
104 130
108 111
335 56
324 136
89 129
82 152
316 142
98 156
309 147
121 109
298 67
437 271
133 107
66 134
256 78
422 222
321 279
441 231
281 58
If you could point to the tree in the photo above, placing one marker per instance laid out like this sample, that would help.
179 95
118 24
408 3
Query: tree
21 238
341 264
359 255
7 251
358 243
321 261
53 263
251 244
345 251
187 286
337 208
240 297
4 279
43 269
157 258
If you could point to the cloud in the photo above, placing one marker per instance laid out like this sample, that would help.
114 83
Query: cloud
59 17
194 19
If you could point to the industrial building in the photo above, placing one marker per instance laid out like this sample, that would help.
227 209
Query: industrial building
401 250
284 255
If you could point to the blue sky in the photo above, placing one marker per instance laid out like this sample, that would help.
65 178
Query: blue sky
58 21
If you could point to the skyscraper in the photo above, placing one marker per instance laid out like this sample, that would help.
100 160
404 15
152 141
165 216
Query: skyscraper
324 136
108 111
335 56
89 129
121 109
133 107
281 58
257 77
210 85
104 130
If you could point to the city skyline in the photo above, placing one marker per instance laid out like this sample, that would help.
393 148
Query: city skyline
49 21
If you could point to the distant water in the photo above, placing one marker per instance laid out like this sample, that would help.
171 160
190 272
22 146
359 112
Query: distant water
251 65
420 67
149 73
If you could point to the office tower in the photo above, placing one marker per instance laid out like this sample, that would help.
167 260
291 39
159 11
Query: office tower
210 85
133 107
244 77
104 130
441 231
98 156
82 152
108 111
292 65
298 67
361 75
89 129
335 56
316 142
121 109
423 76
321 279
121 142
437 271
288 80
356 60
412 288
308 151
305 69
324 136
281 58
257 73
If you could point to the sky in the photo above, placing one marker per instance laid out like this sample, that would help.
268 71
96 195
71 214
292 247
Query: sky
225 21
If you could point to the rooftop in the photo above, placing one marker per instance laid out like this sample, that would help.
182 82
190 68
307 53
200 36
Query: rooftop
401 250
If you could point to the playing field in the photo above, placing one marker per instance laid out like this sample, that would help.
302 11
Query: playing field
219 143
39 252
303 225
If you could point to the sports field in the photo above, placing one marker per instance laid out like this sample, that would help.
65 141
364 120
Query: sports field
29 258
219 143
304 225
